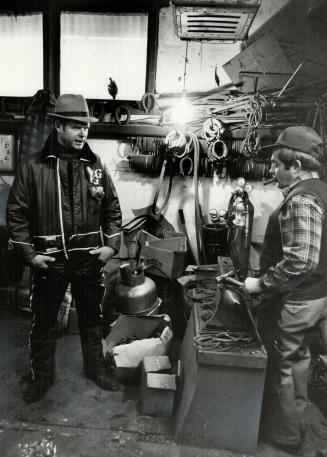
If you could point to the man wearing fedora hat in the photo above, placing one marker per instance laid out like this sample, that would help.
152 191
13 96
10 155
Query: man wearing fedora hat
64 220
293 285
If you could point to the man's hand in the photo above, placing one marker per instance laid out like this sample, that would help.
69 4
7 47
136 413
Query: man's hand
252 286
104 253
41 261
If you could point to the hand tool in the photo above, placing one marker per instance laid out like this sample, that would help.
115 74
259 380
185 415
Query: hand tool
227 278
234 282
223 276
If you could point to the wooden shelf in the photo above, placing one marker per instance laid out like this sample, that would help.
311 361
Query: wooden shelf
113 131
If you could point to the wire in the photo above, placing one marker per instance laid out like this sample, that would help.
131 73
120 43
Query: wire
177 143
253 108
211 130
202 290
223 341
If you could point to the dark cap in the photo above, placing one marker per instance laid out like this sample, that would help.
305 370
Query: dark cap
300 138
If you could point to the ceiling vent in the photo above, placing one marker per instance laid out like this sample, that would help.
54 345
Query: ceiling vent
226 21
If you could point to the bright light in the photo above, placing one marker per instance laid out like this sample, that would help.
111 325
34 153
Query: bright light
183 112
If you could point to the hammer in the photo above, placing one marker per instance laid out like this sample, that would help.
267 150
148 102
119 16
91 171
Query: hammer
226 277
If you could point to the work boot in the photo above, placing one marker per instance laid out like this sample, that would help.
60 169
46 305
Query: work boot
302 449
94 362
37 388
102 378
293 449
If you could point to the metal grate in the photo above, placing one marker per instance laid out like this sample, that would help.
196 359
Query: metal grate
212 23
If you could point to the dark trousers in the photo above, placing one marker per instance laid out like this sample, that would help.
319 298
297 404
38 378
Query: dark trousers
48 288
286 330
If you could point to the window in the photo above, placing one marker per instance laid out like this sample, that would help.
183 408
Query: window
21 54
95 47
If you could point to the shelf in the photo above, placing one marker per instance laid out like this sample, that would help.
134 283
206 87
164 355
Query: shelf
113 131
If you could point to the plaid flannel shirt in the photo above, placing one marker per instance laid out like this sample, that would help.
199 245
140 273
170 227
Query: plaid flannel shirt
301 227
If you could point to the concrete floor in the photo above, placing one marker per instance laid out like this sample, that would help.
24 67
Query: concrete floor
81 419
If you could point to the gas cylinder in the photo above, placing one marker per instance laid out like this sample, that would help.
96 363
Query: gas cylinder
135 293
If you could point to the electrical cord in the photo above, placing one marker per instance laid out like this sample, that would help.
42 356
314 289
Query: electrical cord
223 341
212 129
176 142
202 290
253 109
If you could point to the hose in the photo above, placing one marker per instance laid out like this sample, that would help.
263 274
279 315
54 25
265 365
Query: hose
198 215
154 209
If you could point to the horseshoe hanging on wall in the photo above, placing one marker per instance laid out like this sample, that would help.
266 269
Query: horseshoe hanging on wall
148 102
119 112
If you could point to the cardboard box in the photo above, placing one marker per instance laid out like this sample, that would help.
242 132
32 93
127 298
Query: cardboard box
150 364
158 394
128 357
156 364
166 256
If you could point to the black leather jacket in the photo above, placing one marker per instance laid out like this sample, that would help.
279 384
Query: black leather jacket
38 213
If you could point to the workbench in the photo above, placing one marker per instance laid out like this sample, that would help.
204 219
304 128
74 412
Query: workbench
220 393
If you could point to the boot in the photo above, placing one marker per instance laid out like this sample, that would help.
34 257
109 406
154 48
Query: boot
37 387
94 362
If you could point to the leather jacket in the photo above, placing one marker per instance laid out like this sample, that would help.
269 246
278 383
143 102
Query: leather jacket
38 213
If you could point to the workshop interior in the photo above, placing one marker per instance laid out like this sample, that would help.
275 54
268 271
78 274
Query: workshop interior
187 94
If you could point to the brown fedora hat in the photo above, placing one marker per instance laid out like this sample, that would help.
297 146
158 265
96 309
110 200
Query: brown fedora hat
72 107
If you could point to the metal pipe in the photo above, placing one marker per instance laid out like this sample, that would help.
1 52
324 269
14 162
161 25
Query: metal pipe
287 83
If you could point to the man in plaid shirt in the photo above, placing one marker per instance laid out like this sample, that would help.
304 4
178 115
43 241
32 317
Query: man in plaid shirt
293 266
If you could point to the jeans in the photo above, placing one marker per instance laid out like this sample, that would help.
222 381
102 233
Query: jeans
285 330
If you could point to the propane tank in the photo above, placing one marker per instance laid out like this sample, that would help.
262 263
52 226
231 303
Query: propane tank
135 293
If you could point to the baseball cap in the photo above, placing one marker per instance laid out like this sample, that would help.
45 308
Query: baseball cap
300 138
